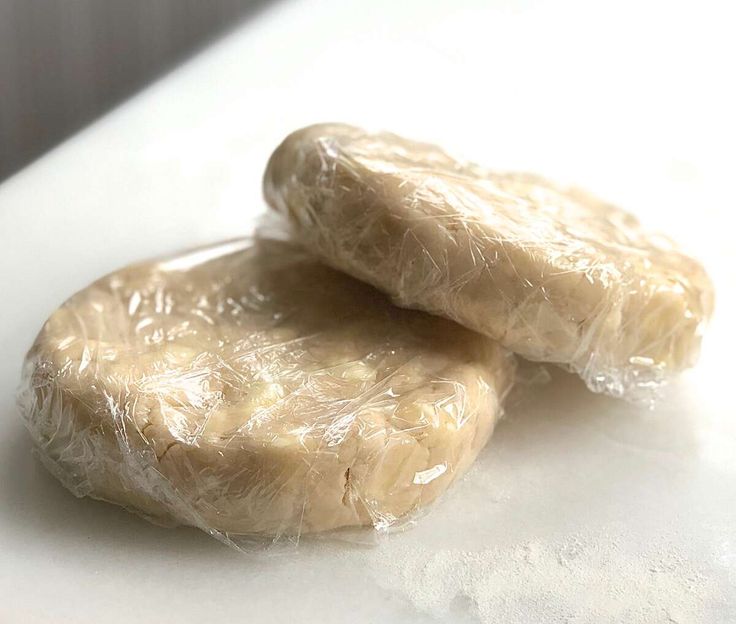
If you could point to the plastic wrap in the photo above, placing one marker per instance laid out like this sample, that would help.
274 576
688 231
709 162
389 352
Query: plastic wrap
554 274
248 390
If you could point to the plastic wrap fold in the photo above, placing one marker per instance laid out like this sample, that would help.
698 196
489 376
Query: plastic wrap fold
554 274
248 390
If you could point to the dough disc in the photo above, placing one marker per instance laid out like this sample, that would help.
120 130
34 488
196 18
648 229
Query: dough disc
247 389
554 274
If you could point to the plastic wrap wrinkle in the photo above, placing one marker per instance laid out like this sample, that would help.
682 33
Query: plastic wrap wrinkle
554 274
248 390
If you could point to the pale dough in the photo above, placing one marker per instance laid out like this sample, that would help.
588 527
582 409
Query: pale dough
554 274
248 389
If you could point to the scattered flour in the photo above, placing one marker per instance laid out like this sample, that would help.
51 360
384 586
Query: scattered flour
594 579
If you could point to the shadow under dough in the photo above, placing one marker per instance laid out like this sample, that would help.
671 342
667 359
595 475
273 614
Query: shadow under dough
536 410
36 502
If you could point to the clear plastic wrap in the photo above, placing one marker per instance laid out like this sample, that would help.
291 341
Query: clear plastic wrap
248 390
554 274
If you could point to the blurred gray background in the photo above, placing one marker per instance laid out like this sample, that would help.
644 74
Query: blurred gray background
65 62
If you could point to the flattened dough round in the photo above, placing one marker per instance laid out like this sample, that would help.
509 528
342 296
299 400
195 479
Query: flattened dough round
553 274
248 389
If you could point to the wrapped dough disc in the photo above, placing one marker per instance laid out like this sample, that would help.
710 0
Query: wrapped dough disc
247 389
553 274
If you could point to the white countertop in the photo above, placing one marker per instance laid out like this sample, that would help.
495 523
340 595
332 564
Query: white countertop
581 508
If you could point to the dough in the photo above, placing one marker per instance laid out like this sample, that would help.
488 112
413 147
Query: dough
553 274
248 389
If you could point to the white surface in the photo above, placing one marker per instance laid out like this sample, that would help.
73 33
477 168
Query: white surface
581 509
